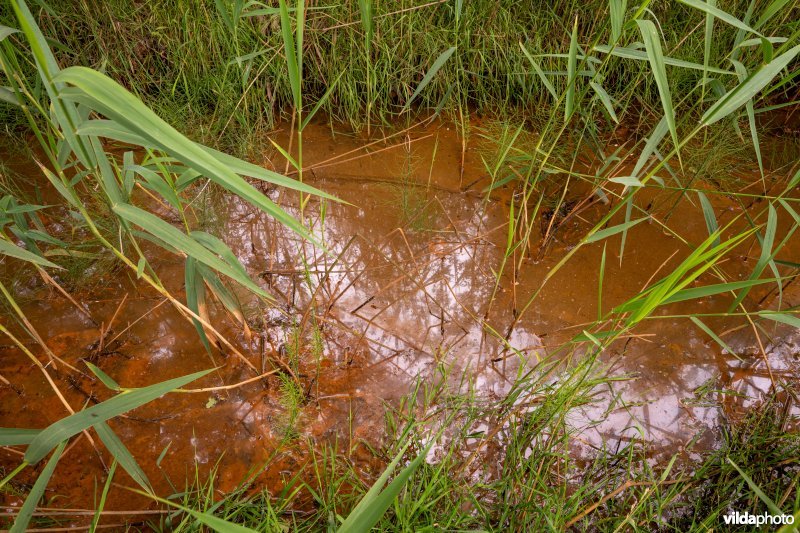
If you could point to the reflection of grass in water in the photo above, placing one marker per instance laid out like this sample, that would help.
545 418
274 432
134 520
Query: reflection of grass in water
417 207
418 211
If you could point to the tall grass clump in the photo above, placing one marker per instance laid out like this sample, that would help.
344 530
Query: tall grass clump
220 68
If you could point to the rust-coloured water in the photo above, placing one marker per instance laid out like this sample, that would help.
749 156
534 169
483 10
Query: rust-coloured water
408 282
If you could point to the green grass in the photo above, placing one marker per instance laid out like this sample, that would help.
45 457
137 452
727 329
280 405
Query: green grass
228 83
686 79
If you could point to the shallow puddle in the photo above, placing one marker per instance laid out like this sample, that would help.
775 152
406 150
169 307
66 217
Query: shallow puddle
407 282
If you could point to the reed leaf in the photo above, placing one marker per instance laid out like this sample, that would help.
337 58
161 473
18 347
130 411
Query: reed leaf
699 323
104 378
438 64
70 426
544 79
195 298
17 436
711 290
775 7
631 53
290 54
707 41
709 216
613 230
376 501
751 118
113 130
617 9
784 318
746 90
186 244
122 455
5 31
12 250
655 55
65 112
711 9
572 64
109 98
37 491
605 99
765 257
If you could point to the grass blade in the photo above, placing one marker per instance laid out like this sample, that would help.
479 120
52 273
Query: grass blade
655 55
27 509
711 9
375 502
122 455
572 65
11 250
774 509
17 436
72 425
440 61
749 88
207 519
99 511
613 230
710 217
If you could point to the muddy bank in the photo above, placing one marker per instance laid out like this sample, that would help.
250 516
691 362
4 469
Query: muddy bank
409 281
